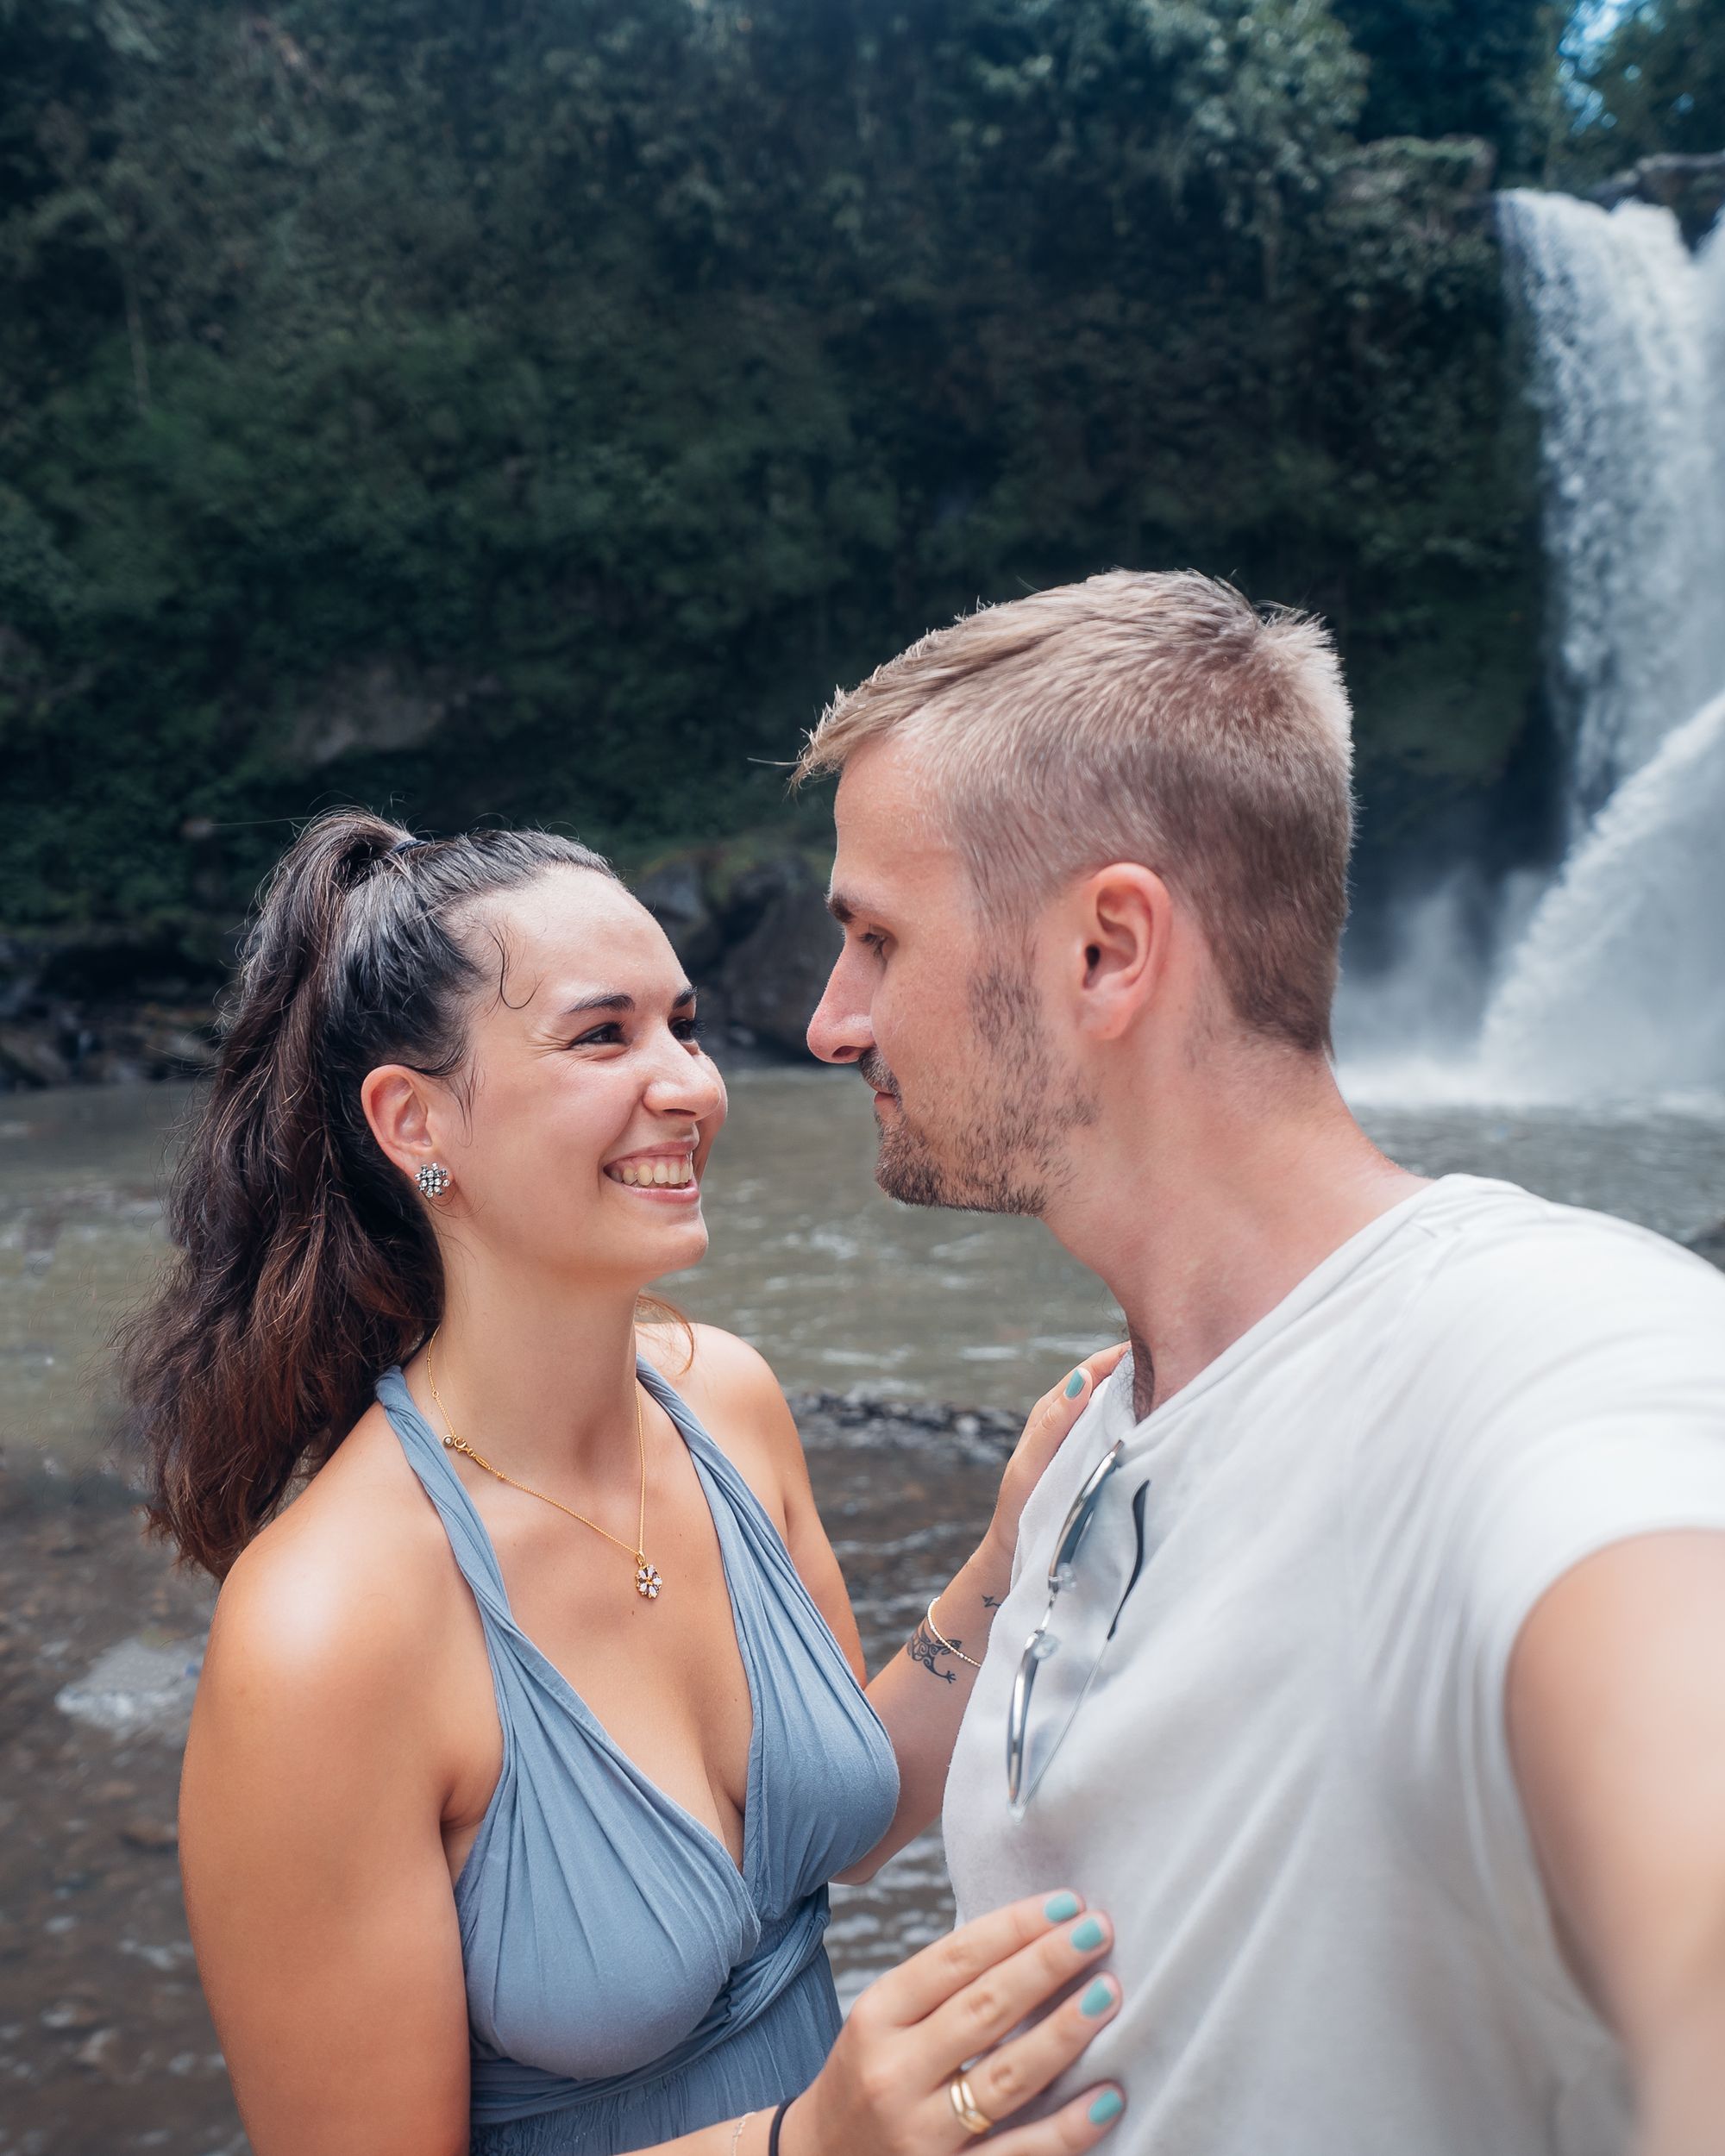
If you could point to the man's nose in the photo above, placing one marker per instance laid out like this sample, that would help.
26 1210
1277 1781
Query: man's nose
839 1032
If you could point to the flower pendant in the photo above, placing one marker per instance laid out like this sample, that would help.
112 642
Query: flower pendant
647 1580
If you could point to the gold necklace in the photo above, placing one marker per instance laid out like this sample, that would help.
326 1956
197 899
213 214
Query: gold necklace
647 1580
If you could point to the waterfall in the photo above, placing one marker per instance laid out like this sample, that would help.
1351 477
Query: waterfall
1629 377
1618 986
1613 983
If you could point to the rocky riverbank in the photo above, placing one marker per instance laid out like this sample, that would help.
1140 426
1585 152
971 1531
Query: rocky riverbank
110 1006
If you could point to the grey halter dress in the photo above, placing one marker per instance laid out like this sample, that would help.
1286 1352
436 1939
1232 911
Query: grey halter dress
626 1982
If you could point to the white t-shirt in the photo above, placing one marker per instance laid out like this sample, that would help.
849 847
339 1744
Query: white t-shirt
1289 1782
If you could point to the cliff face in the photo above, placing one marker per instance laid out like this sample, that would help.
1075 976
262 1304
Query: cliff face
488 422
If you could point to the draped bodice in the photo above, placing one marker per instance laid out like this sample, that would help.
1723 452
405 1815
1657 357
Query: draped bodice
608 1938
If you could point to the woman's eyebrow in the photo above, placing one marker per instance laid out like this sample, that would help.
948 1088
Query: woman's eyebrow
614 1002
618 1001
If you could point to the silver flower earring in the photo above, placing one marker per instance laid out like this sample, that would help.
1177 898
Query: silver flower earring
433 1179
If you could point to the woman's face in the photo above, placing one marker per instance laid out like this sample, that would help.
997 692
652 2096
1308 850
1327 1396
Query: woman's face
586 1108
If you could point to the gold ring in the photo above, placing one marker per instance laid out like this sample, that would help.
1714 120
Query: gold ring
970 2114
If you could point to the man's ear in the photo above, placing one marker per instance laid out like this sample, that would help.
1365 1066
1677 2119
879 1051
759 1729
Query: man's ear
399 1108
1125 922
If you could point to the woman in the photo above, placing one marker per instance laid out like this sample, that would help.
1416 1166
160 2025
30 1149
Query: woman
530 1733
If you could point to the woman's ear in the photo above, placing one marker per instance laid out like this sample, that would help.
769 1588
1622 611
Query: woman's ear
1125 924
399 1107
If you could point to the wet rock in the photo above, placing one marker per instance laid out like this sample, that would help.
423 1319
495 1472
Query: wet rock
137 1688
376 705
98 2052
867 1415
1691 187
675 894
1710 1244
101 1006
21 972
773 979
156 1836
28 1057
70 2016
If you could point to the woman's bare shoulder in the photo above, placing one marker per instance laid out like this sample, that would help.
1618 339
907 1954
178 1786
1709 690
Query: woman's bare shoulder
339 1594
731 1387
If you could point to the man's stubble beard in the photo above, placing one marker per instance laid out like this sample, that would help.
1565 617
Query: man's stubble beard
1007 1155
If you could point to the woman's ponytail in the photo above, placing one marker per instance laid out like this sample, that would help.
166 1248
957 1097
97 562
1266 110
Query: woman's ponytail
303 1262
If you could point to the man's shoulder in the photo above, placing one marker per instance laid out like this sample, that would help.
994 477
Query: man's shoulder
1512 1265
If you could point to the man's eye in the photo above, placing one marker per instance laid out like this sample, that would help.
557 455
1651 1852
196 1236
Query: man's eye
874 940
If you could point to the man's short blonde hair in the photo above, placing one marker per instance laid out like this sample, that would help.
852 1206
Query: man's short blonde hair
1156 718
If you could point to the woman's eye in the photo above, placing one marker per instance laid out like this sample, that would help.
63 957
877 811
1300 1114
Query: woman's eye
605 1036
689 1029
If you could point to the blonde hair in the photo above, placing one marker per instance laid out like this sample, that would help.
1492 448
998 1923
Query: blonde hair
1157 719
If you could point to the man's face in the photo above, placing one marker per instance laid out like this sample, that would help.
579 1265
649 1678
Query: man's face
940 1010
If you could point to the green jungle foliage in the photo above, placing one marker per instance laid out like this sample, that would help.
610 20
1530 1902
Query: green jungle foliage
532 408
1439 67
1659 82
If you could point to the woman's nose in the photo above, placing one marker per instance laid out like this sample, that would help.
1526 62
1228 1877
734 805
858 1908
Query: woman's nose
685 1084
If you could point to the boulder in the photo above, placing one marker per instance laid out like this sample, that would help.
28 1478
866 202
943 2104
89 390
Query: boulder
379 704
29 1057
772 977
1691 187
674 892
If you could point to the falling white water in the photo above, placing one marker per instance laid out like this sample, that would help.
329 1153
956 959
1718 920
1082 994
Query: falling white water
1613 984
1629 377
1619 985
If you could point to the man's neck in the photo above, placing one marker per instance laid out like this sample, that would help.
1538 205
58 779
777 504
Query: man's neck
1201 1215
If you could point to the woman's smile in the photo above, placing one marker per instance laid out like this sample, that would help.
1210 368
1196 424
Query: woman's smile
663 1173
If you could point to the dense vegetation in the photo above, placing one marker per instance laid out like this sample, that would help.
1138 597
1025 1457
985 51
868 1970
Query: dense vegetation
1657 84
532 407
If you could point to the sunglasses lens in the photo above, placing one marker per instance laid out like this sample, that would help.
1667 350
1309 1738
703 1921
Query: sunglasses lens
1077 1522
1032 1738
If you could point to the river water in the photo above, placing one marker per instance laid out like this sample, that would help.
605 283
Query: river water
837 1285
841 1288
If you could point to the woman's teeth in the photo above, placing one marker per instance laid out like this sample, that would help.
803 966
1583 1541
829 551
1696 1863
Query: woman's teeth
670 1174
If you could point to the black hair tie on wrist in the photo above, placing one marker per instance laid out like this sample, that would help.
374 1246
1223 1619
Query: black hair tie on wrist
778 2121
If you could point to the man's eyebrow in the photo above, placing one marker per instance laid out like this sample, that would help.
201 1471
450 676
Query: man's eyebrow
843 909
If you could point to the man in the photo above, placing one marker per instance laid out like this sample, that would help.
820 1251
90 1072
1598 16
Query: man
1385 1706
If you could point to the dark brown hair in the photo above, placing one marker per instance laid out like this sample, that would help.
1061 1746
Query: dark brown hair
304 1260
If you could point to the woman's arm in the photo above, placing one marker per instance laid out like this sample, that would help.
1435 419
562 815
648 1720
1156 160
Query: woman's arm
920 1695
923 1691
317 1885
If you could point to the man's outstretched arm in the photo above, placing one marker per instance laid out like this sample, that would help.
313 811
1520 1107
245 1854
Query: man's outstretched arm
1617 1721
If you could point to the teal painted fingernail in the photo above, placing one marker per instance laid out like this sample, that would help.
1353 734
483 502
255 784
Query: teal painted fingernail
1097 2000
1074 1384
1107 2106
1059 1907
1087 1935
